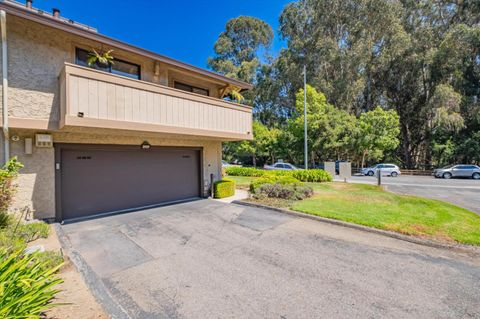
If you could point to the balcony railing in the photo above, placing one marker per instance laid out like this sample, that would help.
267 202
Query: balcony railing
91 98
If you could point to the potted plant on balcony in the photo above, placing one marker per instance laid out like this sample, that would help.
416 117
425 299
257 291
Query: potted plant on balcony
104 57
232 92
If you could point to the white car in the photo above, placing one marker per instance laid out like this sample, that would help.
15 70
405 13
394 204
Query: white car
280 166
385 169
225 164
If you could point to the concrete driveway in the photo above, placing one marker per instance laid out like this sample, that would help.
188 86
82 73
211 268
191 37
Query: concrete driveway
208 259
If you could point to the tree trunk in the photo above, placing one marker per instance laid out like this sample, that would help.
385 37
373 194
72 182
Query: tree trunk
254 160
363 157
407 157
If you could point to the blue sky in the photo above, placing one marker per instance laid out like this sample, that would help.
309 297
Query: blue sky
183 29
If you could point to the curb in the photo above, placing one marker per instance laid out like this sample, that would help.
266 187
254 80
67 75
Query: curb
94 283
414 240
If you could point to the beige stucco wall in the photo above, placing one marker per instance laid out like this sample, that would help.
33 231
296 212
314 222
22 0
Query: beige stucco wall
36 57
36 183
37 54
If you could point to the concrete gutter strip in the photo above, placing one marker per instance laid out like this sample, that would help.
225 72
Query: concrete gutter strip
411 239
94 283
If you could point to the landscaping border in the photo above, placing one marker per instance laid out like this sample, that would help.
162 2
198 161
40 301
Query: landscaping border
411 239
94 283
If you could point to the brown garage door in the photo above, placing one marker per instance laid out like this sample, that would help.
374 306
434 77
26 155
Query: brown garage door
97 180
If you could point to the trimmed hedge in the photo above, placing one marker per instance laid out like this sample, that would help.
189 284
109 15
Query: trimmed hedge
311 175
223 188
244 171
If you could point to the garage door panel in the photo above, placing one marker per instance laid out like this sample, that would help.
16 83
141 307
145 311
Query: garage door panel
95 181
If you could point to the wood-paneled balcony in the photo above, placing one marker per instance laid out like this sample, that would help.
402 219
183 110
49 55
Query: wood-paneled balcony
91 98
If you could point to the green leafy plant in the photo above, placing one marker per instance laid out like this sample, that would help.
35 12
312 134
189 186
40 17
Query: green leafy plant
7 188
311 175
245 171
104 57
272 179
233 92
17 234
27 286
295 191
49 259
223 188
31 231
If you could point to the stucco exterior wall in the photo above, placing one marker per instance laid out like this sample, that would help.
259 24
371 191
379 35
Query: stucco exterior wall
36 55
36 183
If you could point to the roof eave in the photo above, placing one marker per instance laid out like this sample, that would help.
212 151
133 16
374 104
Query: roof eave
60 24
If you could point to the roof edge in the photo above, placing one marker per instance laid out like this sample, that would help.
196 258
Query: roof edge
31 15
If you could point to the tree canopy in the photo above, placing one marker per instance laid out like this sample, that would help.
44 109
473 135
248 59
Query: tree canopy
370 59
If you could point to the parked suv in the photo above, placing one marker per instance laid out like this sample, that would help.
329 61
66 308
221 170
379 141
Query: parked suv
460 170
385 169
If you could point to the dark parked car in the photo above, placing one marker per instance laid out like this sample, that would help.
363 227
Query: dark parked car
460 170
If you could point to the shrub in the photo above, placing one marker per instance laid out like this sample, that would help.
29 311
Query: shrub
26 286
311 175
223 188
245 171
7 189
11 243
16 234
31 231
272 179
284 187
49 259
287 191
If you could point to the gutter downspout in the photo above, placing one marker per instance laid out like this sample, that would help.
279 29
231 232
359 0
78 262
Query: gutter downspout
6 135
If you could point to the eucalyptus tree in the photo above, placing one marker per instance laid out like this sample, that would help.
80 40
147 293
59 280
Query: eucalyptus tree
237 48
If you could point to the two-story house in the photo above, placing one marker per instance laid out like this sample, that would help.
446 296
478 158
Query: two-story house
95 138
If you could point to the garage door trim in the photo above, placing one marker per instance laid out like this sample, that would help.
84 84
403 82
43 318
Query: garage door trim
59 147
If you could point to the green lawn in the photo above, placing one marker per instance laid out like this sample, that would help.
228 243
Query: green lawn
242 181
372 206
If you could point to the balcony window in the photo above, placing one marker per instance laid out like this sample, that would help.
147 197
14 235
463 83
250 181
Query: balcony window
118 67
189 88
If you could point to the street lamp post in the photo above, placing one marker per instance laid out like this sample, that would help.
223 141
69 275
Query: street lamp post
305 113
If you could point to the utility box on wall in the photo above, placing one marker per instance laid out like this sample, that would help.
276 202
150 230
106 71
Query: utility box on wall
43 140
345 169
330 168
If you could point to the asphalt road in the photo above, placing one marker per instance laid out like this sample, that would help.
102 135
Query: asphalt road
462 192
208 259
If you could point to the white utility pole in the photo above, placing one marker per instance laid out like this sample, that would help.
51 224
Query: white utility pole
305 112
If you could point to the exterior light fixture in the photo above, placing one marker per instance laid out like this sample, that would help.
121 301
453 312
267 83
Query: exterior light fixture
145 145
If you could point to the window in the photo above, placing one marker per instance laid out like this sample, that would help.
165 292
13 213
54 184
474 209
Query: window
118 67
279 166
189 88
